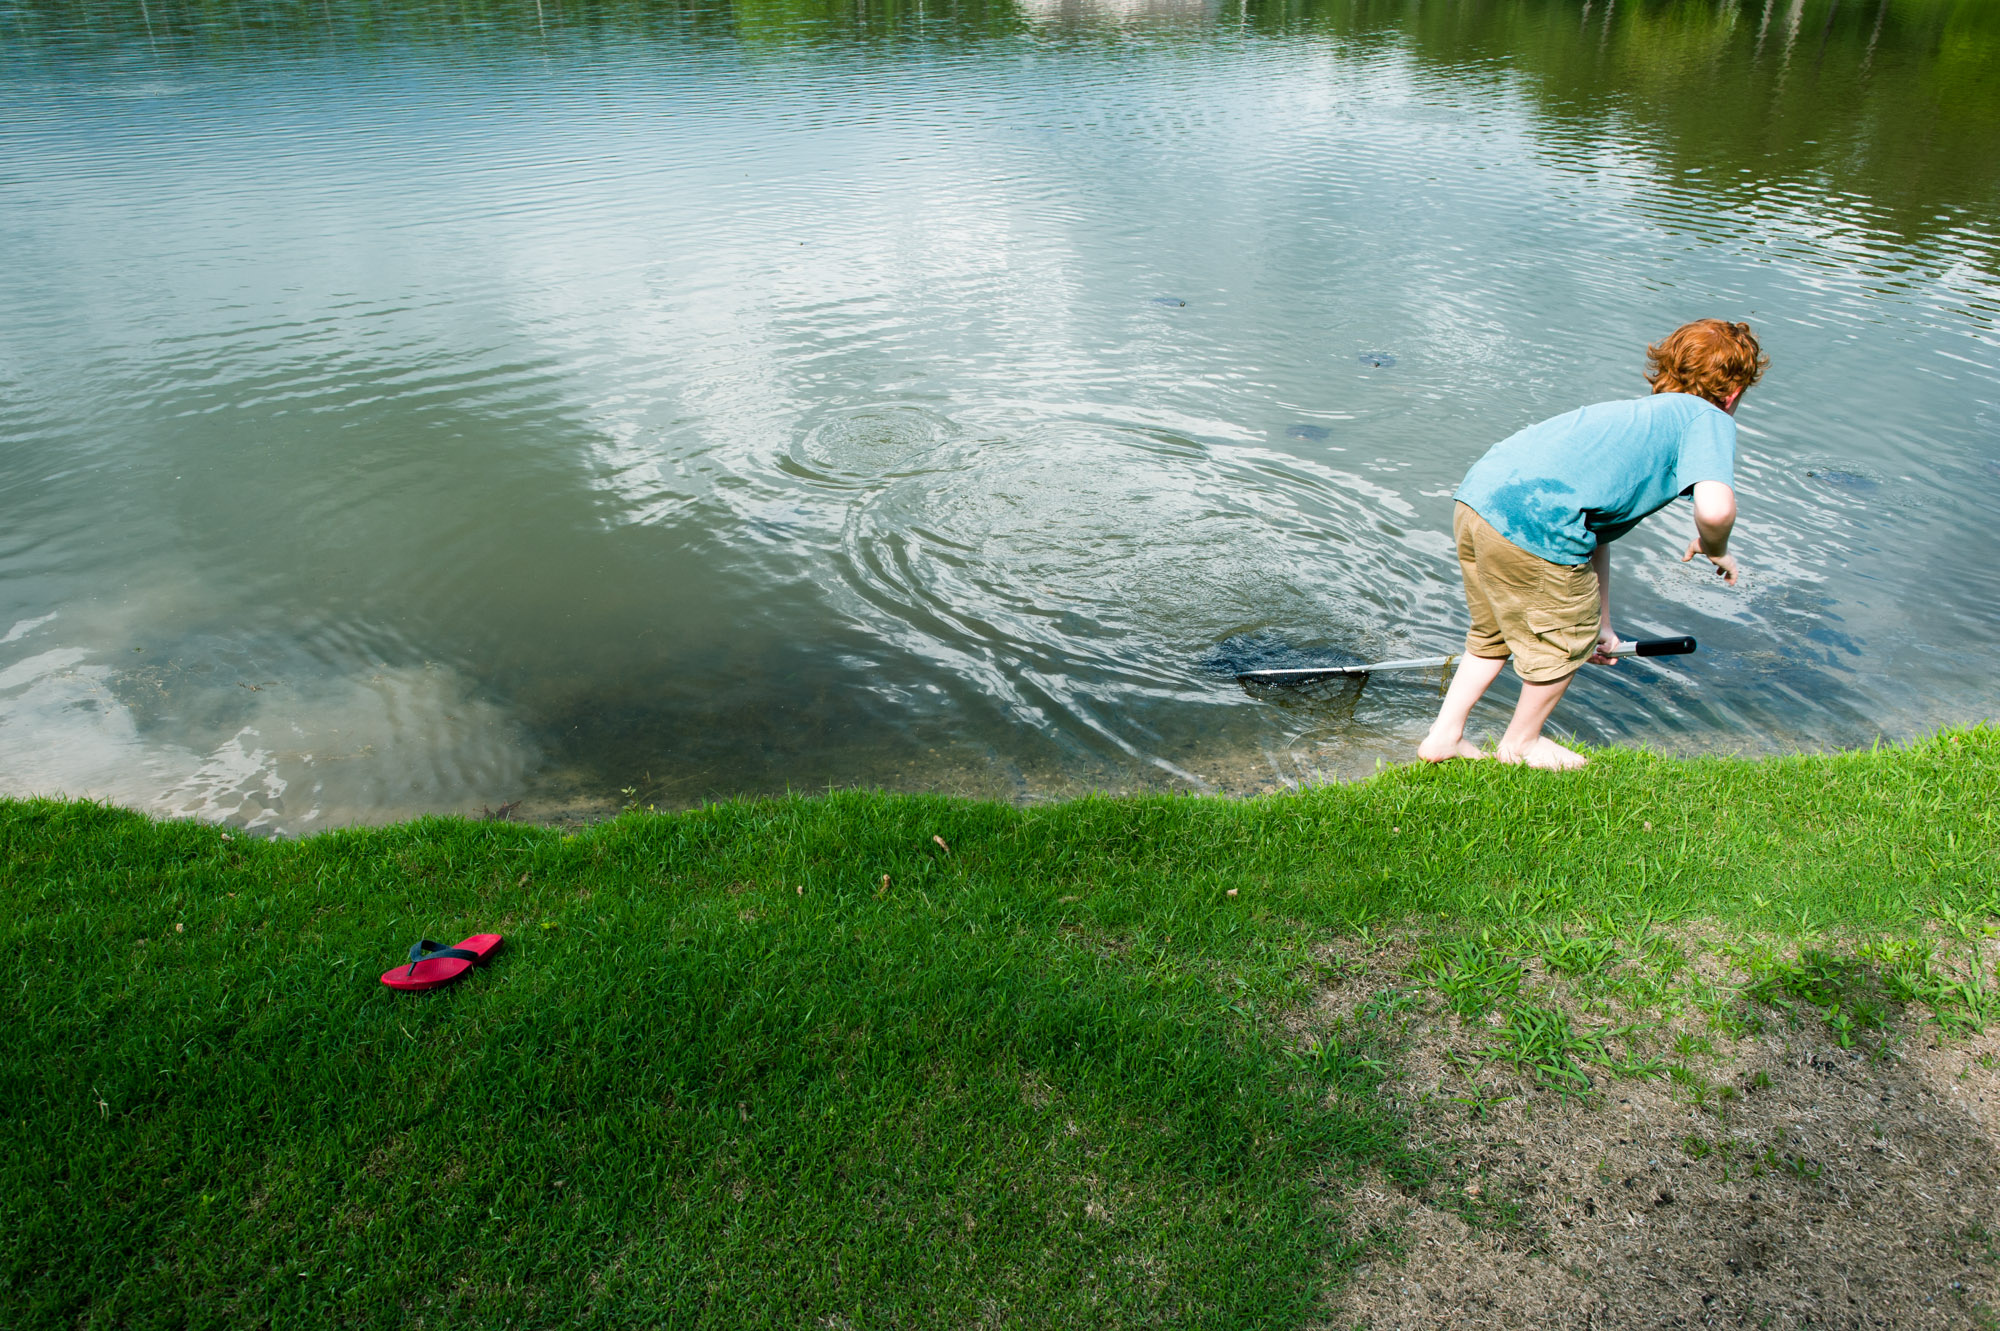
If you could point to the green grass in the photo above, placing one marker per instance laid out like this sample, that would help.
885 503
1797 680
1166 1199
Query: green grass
1050 1076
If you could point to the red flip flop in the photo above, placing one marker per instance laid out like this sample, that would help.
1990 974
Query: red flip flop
433 964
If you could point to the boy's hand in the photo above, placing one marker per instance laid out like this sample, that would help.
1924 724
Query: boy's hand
1606 641
1725 565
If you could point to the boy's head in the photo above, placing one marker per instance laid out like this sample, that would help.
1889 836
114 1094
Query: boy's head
1709 358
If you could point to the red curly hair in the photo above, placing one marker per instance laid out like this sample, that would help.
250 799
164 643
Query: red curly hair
1710 358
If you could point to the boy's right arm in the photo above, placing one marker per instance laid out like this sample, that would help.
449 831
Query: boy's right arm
1714 518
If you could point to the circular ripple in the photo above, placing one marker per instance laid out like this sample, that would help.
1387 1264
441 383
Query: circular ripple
861 445
1097 560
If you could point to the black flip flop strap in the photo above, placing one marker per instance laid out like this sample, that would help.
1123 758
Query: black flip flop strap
426 950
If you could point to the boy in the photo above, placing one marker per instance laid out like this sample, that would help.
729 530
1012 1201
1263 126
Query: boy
1536 516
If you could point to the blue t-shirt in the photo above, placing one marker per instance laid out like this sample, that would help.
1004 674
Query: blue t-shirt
1564 487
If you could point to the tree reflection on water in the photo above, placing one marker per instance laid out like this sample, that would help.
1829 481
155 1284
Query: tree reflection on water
1889 102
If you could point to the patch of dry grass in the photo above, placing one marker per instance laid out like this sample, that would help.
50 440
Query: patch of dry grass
1697 1128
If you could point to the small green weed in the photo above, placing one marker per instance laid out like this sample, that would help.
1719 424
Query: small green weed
1575 955
1843 990
1963 1005
1390 1004
1798 1166
1479 1105
1817 977
1540 1042
1911 972
1632 1064
1472 973
1698 1089
1687 1044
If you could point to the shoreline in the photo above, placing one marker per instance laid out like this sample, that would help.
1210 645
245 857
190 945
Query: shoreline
569 801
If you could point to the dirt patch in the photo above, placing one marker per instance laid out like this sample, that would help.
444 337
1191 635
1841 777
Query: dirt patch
1775 1179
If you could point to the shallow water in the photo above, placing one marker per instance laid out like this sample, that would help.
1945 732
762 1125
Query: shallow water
418 408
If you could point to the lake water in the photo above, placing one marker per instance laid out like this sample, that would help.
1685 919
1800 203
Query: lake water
419 407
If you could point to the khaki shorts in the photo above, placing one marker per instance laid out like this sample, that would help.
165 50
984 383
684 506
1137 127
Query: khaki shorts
1544 615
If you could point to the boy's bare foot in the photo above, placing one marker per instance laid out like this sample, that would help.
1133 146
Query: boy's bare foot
1544 753
1437 751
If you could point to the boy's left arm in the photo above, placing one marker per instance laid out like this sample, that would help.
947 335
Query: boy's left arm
1714 519
1600 564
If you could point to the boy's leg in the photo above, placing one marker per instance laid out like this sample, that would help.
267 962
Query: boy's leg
1447 738
1485 653
1524 741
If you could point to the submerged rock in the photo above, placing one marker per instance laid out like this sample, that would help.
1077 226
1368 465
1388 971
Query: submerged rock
1846 480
